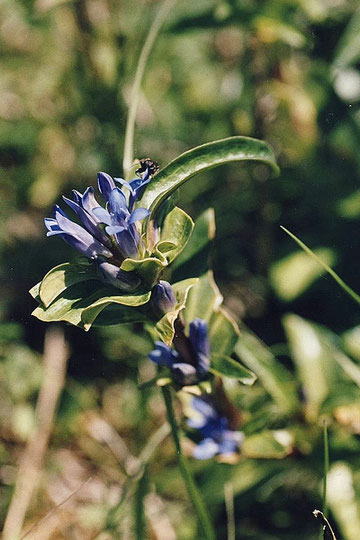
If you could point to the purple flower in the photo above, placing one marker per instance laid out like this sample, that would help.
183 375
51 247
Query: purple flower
107 235
217 438
162 298
184 372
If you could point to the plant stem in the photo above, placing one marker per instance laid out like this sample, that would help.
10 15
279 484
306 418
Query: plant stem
326 465
229 504
192 489
144 55
325 266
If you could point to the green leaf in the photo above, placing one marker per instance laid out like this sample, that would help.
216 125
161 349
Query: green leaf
90 313
201 158
326 267
193 260
81 305
165 326
342 499
291 276
348 47
273 376
203 300
223 332
175 233
224 365
148 269
314 361
34 291
63 276
267 445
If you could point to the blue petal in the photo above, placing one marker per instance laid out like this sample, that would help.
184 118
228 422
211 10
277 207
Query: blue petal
198 333
106 185
231 442
90 222
138 215
204 408
184 374
80 238
51 224
102 215
117 204
114 229
128 241
206 449
163 355
126 184
88 200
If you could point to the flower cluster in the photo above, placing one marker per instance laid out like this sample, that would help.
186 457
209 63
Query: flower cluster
107 235
193 368
217 438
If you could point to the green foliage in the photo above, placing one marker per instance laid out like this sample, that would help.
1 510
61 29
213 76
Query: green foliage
285 72
201 158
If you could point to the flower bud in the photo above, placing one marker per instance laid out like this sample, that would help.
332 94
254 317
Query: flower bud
111 274
162 299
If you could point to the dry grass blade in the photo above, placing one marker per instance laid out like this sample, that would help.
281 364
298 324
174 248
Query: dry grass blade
55 358
328 532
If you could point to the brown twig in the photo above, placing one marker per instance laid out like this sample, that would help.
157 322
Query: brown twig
55 358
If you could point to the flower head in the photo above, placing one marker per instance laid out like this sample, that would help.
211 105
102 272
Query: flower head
107 234
217 438
192 369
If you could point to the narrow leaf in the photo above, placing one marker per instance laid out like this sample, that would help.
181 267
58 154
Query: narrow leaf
273 376
325 266
224 365
200 159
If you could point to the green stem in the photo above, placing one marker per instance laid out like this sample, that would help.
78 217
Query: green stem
326 465
194 494
144 55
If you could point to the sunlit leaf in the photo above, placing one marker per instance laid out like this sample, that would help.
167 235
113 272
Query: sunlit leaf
203 300
175 233
201 158
148 269
165 326
63 276
313 359
342 500
291 276
266 445
80 304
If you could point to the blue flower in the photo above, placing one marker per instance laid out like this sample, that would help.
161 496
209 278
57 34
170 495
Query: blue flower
217 438
107 235
184 372
162 298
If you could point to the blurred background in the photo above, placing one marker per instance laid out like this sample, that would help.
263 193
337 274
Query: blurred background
285 71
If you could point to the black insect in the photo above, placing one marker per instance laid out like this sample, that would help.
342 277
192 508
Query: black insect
147 164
